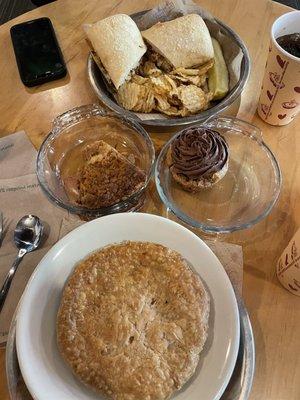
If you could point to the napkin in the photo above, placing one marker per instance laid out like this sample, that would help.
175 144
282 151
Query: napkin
21 194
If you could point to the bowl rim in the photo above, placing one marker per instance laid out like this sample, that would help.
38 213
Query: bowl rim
171 122
157 220
218 228
96 110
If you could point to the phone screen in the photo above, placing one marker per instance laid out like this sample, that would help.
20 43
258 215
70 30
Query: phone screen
38 55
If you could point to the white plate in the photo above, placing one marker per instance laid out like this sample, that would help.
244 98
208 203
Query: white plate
44 371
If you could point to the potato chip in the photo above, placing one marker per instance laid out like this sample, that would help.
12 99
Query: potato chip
174 100
198 80
206 67
146 101
162 85
127 95
185 72
193 98
136 97
163 106
161 102
140 80
171 81
193 71
156 87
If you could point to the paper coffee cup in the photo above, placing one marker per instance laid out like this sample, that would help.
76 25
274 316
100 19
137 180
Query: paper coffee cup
279 101
288 266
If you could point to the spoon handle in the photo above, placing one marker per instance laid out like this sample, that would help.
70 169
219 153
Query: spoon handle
9 277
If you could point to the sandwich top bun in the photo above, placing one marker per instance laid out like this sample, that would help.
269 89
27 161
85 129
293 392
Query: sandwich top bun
118 43
184 42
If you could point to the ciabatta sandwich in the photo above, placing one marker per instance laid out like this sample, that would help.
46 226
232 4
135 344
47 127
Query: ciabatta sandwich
183 42
119 45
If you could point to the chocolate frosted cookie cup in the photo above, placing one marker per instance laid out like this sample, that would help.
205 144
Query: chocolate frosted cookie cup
198 158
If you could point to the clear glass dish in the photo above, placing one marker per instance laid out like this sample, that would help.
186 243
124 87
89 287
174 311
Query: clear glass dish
71 132
242 198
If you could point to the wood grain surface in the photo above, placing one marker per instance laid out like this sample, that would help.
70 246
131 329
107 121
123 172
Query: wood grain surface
274 312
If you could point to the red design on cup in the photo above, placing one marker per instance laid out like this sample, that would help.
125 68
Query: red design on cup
269 94
275 79
281 116
290 104
297 89
264 108
280 61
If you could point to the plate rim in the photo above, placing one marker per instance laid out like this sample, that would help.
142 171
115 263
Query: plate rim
62 242
247 342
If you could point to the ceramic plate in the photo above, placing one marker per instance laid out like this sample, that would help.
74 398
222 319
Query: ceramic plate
44 371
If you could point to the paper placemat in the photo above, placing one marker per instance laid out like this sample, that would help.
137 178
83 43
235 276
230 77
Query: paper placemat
20 194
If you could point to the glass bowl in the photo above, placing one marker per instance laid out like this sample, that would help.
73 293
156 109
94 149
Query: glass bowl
242 198
59 155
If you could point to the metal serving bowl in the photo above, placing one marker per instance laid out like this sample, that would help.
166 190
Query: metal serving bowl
100 89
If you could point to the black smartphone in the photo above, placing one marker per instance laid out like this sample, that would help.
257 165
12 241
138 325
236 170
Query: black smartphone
37 52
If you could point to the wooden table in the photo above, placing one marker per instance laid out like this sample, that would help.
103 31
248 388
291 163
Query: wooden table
274 312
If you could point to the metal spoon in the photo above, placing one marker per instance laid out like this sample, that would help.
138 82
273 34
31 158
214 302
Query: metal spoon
27 237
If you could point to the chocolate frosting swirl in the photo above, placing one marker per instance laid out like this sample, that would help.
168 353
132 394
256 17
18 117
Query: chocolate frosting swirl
199 153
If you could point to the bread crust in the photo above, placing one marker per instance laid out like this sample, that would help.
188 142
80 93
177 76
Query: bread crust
184 42
133 320
119 45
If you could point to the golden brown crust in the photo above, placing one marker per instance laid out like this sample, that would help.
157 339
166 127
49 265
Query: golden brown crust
107 177
133 320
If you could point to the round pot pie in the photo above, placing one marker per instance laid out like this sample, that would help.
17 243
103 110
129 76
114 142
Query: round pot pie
133 320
